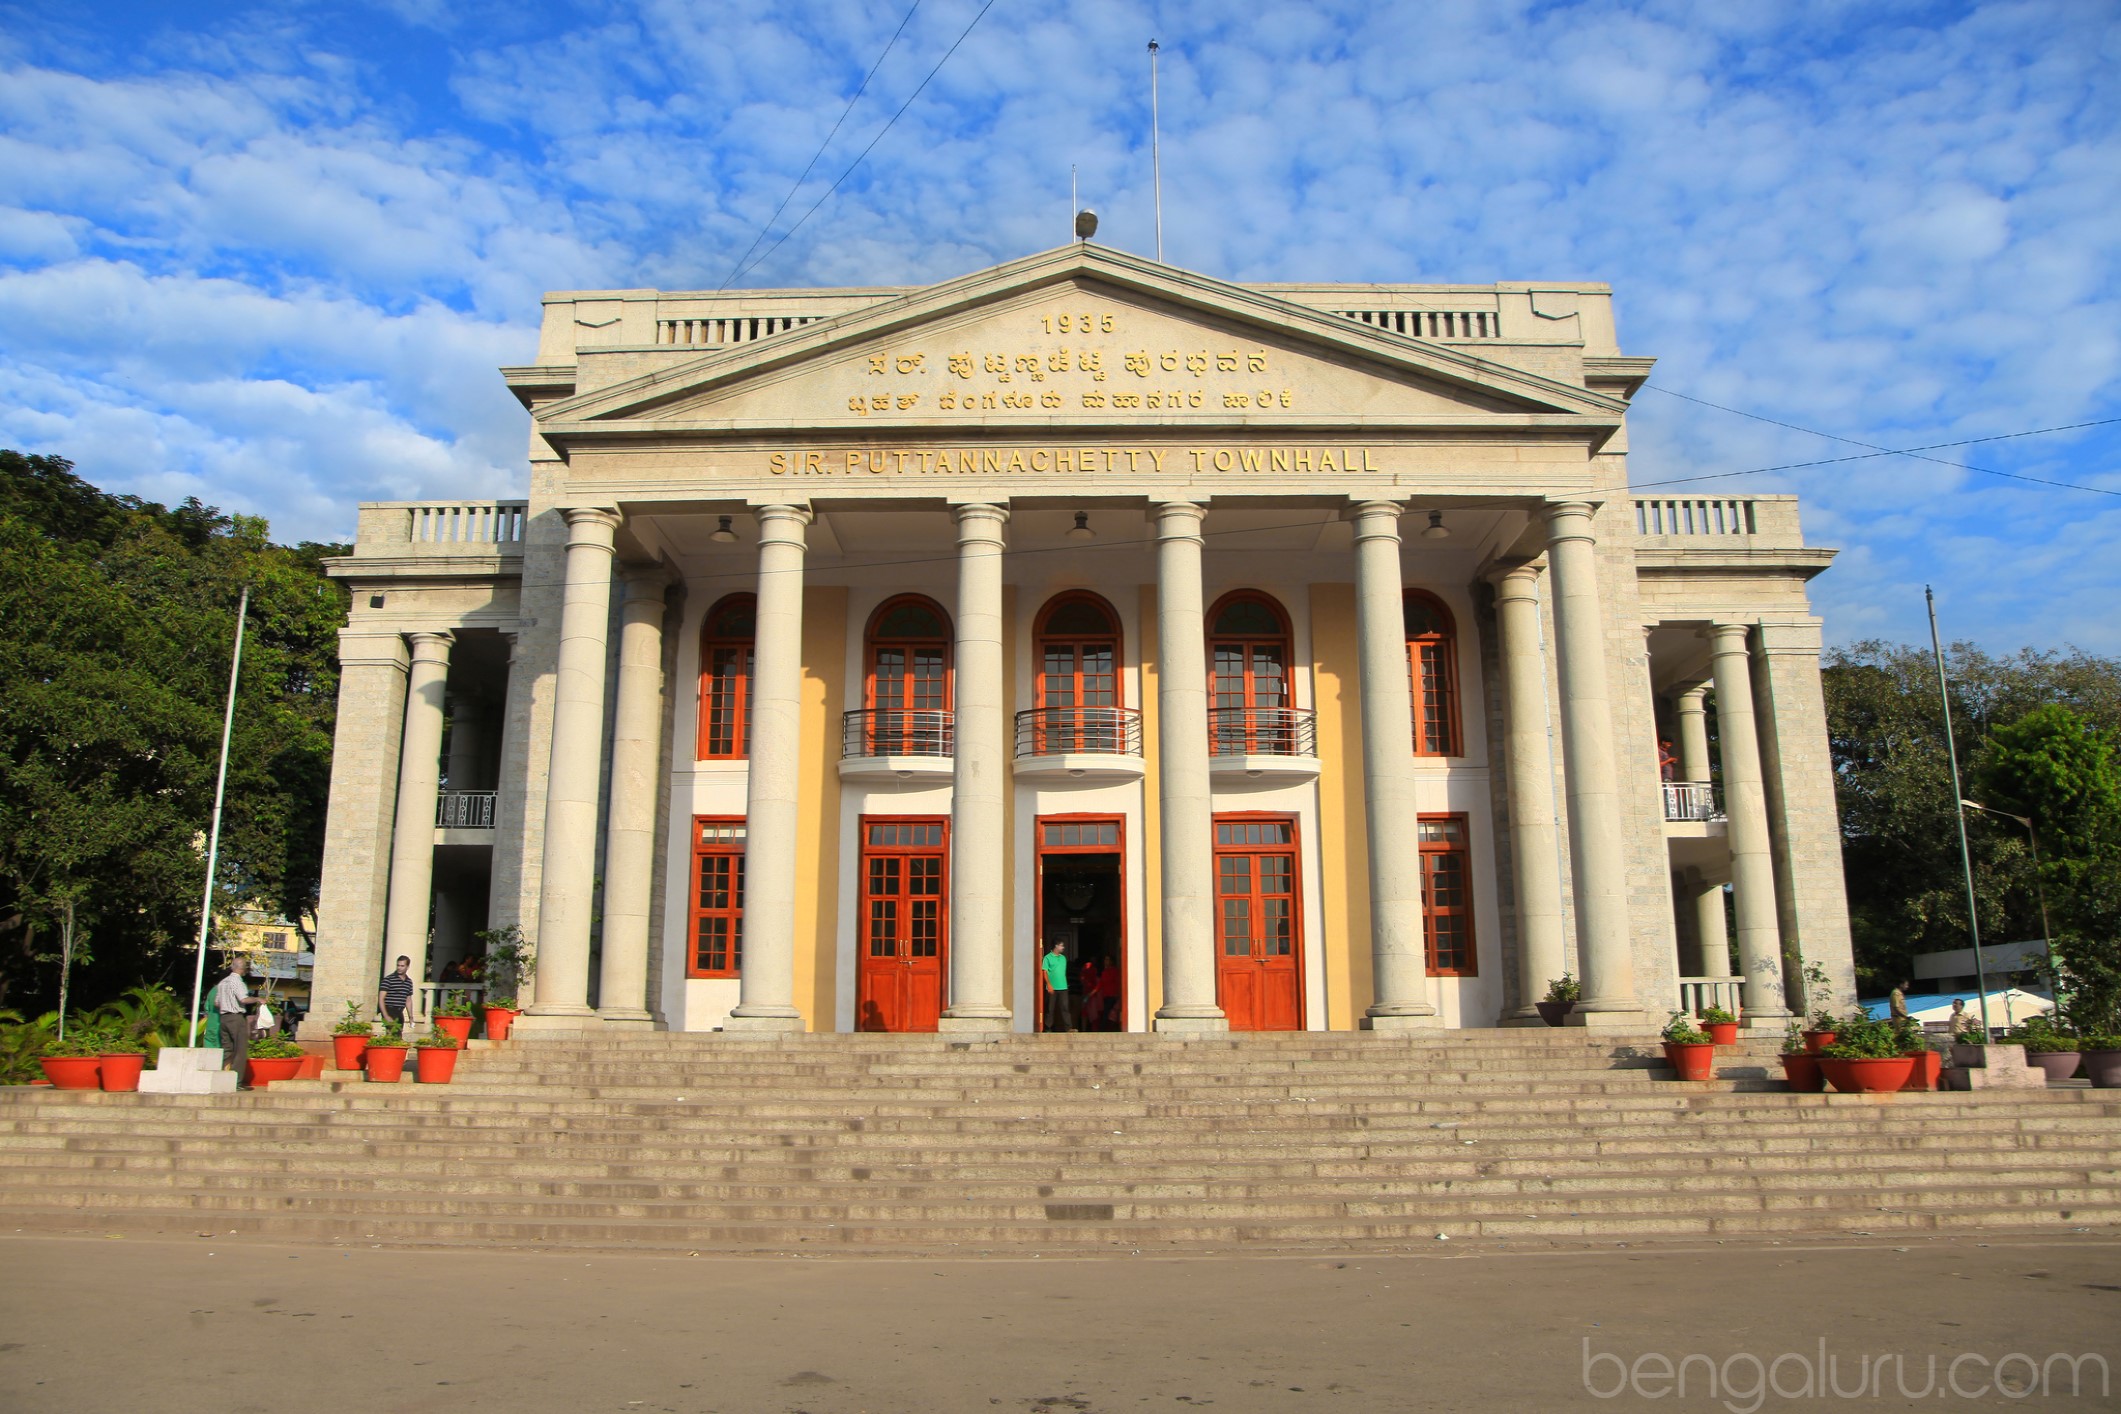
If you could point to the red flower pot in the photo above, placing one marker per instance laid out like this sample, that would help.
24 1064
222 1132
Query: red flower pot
1929 1069
71 1072
500 1020
437 1065
1722 1033
457 1026
120 1070
1694 1060
385 1063
1802 1072
264 1070
346 1051
1868 1077
1817 1041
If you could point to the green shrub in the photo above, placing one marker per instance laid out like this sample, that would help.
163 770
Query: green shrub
1564 988
389 1033
2040 1033
1862 1038
1681 1031
273 1048
439 1040
352 1023
1717 1016
456 1003
1793 1039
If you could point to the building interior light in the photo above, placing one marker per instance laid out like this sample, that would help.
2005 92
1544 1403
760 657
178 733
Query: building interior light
723 535
1081 529
1436 530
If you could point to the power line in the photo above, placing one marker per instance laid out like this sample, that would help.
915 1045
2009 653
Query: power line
764 255
798 185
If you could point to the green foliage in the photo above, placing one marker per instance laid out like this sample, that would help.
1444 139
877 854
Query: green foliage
1681 1031
506 1003
1564 988
145 1019
80 1041
1716 1016
1793 1040
2040 1033
437 1039
510 961
273 1048
352 1023
2100 1041
116 617
455 1003
386 1035
1861 1037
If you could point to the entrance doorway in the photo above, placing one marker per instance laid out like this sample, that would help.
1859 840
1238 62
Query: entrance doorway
1259 945
902 949
1082 901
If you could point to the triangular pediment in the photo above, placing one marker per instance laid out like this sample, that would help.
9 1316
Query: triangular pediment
1078 335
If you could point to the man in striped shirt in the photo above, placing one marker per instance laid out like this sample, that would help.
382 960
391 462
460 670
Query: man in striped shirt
396 997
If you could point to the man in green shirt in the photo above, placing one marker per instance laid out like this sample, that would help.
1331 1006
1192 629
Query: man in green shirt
1060 1002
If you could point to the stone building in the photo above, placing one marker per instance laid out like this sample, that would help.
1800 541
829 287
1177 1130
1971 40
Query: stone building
1297 654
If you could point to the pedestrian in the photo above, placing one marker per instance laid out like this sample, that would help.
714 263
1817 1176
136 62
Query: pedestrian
1060 1003
232 1000
1896 1001
1961 1021
1087 974
1108 994
395 999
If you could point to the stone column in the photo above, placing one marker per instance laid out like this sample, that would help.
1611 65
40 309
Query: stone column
771 841
467 746
1604 948
629 833
1803 820
412 834
1535 845
1691 708
1398 954
569 877
1182 771
979 835
1745 806
1712 934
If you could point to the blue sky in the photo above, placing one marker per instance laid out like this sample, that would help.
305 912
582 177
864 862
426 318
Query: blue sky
270 254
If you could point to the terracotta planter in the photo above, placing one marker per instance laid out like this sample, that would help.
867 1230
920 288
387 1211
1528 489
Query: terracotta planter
437 1065
346 1051
2102 1068
500 1020
2059 1065
71 1072
1552 1013
1868 1077
457 1026
264 1070
1801 1070
120 1071
1928 1070
1722 1033
385 1064
1694 1060
1817 1041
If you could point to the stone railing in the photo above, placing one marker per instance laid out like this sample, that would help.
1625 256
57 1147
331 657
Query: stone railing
1698 994
464 809
723 331
1755 522
1430 323
467 523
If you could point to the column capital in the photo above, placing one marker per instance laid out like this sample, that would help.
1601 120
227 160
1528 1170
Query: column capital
591 525
1692 699
1518 581
782 524
979 521
431 645
1727 638
1570 520
646 582
1180 520
1376 519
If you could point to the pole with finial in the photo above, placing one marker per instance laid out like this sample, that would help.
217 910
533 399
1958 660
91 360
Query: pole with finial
1156 157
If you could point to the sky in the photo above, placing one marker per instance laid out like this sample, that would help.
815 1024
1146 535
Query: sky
271 255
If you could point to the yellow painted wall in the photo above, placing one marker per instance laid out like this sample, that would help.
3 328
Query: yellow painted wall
817 878
1152 810
1343 839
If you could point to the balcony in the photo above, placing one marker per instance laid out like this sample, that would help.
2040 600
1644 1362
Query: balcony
1693 802
464 810
1079 744
1262 744
898 744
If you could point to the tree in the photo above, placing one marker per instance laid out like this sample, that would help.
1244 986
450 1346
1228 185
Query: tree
116 621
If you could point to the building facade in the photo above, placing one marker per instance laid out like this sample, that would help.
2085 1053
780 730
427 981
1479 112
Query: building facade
1297 654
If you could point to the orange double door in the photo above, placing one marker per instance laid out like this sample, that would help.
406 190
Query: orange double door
1258 927
902 951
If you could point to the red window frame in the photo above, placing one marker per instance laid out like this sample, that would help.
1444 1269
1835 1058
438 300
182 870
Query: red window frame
1432 675
1099 689
725 697
907 840
717 932
1448 941
1235 682
911 699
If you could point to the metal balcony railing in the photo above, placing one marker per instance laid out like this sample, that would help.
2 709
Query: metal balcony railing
1691 800
1262 731
897 731
1079 731
464 810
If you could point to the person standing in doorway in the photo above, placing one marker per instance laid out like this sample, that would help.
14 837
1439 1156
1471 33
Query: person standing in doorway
232 1002
395 999
1060 1002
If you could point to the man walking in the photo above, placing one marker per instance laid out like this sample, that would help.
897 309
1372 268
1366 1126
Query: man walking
395 999
231 1001
1060 1002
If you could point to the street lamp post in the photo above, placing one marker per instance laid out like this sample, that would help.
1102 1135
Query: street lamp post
2047 932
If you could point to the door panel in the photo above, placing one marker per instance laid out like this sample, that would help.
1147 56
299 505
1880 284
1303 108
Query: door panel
1259 949
901 953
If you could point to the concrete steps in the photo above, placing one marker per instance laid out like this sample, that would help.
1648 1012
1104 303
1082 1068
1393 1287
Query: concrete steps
1061 1143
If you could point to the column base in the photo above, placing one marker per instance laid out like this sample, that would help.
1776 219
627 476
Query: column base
628 1020
1615 1019
1522 1016
1402 1021
774 1023
1774 1020
1193 1025
974 1025
569 1021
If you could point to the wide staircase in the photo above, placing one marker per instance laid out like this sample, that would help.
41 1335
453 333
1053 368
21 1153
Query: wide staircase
1060 1144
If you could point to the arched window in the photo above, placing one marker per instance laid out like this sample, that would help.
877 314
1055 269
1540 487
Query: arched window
907 683
1248 676
1432 666
1078 675
725 679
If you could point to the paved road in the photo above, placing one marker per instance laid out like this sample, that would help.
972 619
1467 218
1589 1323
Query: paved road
227 1325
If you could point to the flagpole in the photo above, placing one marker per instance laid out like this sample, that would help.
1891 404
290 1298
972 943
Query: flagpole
1156 155
1966 856
213 838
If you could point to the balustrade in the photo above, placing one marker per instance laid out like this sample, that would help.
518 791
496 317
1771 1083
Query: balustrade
1079 731
1691 800
1262 731
898 732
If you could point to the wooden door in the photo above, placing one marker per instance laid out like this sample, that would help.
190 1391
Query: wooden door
1259 952
901 951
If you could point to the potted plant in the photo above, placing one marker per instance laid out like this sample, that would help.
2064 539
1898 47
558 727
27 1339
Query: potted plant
273 1058
2052 1048
120 1058
384 1060
454 1015
349 1038
438 1056
1721 1026
1563 993
1869 1057
1800 1065
1818 991
2101 1052
73 1063
501 1014
1914 1044
1691 1052
507 968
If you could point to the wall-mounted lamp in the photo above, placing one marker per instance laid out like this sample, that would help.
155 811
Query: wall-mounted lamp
722 534
1081 529
1436 529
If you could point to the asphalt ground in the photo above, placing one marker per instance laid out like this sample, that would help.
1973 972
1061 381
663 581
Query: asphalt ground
222 1324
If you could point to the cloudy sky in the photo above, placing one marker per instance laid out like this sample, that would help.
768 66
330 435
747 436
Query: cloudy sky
270 254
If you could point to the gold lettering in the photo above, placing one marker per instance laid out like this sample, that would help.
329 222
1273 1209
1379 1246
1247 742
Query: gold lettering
1256 362
967 460
907 400
1127 400
1367 464
1223 460
1016 461
1287 399
1041 465
909 363
1134 461
1237 400
1226 363
1057 362
778 463
1250 459
858 405
1091 361
1280 459
1158 458
1193 398
1325 460
1196 364
1169 362
947 401
1198 457
1303 458
961 364
876 364
1093 400
987 401
1089 455
814 463
990 459
1138 364
1064 459
1051 400
1107 324
854 459
1156 400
